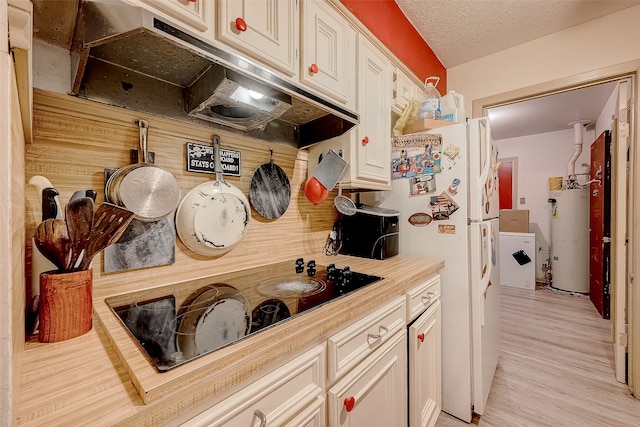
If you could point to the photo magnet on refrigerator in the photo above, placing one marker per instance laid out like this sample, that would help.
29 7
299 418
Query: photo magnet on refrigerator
420 219
453 188
415 155
442 206
446 229
422 185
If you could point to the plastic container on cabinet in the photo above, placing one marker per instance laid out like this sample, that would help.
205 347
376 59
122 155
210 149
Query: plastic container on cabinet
430 105
452 107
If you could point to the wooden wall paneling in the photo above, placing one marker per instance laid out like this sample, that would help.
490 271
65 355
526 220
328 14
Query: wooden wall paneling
12 241
75 139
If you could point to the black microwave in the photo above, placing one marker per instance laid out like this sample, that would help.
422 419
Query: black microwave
372 232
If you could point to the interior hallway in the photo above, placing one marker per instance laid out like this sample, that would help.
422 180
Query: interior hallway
555 368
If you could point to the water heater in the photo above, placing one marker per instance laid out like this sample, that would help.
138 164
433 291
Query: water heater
570 239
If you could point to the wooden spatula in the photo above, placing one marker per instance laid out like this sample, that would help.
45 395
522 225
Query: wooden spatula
109 222
79 218
52 240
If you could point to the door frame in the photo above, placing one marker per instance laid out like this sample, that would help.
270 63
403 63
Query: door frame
630 70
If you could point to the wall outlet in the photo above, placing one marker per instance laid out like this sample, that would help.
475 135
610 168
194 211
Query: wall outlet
522 200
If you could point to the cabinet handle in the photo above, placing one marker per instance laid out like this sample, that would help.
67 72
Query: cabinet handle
193 1
349 403
421 337
365 140
241 25
381 331
427 299
261 416
313 69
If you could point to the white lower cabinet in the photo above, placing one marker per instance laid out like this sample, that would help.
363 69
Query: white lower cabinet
425 389
292 395
374 393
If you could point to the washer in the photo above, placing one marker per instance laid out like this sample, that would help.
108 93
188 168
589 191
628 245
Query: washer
517 260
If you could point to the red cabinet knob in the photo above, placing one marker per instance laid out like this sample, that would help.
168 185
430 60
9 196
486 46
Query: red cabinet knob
193 1
421 337
365 140
241 25
349 403
313 69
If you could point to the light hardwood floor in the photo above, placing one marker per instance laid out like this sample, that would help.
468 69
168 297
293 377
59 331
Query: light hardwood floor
555 367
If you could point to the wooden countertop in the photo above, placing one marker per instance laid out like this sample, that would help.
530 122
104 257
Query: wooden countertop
83 382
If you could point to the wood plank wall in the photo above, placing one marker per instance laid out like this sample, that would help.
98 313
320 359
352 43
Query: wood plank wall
75 140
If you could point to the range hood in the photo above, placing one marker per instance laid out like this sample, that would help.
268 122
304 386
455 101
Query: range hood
129 57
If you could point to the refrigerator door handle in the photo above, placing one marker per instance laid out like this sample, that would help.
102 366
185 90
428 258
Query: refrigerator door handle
486 277
484 175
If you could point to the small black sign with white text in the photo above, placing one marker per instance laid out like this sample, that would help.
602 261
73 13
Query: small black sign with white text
200 159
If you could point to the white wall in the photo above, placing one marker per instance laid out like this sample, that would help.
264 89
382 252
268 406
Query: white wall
540 157
602 42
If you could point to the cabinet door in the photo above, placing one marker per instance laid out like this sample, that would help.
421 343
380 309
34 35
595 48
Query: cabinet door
373 142
311 416
425 391
418 92
328 52
264 29
403 90
374 393
287 395
196 14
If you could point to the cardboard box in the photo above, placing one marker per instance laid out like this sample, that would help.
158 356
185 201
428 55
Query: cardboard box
514 220
422 125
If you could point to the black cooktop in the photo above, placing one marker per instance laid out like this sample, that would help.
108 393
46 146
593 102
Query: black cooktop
173 329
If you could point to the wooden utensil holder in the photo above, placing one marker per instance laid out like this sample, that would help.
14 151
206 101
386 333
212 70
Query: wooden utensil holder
66 305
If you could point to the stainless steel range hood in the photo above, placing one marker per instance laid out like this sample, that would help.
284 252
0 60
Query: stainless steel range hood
128 57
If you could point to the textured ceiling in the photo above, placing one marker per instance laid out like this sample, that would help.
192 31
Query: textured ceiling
459 31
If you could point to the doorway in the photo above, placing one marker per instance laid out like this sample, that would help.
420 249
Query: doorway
627 257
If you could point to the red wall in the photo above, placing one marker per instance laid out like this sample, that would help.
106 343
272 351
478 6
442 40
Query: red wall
387 22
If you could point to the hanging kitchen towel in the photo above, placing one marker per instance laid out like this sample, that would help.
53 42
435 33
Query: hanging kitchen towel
409 114
416 154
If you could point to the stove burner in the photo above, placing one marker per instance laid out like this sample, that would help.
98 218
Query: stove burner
147 319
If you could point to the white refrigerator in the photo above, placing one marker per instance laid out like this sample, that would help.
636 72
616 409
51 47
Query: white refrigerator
445 188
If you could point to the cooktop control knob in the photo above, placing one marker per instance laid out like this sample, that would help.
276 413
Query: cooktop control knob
345 278
311 268
331 272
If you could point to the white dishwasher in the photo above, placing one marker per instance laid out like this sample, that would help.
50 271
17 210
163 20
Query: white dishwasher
517 260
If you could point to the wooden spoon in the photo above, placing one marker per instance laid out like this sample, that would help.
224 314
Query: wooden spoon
109 222
52 239
79 217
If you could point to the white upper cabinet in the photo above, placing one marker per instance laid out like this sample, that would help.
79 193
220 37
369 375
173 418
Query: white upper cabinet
328 52
197 15
403 90
266 30
367 147
373 141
